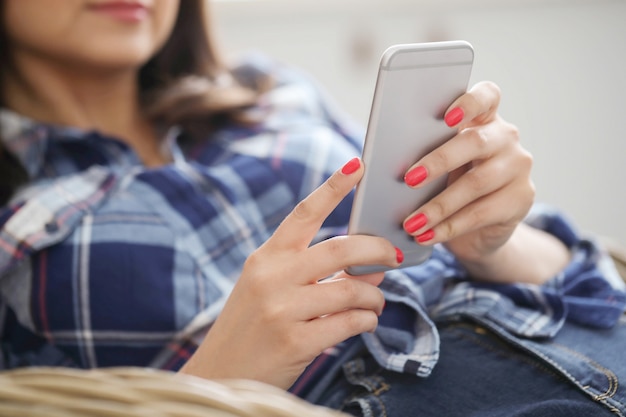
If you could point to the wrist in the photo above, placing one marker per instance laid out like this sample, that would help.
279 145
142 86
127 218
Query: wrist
529 256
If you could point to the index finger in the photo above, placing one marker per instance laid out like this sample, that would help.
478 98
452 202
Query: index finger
299 228
478 106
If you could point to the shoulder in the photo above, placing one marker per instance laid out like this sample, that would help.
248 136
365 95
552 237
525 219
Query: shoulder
293 94
253 68
300 135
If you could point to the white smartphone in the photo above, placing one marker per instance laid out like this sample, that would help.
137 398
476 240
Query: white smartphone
416 84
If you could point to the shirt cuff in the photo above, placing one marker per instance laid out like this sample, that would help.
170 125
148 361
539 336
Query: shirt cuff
590 287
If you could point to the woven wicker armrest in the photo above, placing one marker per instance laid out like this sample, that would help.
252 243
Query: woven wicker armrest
134 392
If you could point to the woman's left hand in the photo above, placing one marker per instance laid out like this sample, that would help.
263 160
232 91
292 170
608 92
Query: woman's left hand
489 190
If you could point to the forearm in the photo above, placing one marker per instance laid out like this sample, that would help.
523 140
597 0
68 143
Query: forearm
529 256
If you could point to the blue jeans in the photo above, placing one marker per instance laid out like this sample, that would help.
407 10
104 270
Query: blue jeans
478 374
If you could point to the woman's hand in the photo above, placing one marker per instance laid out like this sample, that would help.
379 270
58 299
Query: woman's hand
489 193
289 303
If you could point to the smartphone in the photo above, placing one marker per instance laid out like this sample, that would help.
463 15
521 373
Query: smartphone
416 84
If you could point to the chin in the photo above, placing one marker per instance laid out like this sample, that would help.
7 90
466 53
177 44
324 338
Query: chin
110 57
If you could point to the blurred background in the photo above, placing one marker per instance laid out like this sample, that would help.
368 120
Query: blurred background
560 63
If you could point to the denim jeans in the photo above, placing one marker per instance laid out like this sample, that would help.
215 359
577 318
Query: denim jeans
479 374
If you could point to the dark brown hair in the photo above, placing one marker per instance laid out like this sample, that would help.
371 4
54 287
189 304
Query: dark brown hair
12 174
186 83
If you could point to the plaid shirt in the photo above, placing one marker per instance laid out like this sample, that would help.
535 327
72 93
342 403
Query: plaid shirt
104 262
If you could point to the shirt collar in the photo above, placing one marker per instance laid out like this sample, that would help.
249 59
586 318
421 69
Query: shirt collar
28 140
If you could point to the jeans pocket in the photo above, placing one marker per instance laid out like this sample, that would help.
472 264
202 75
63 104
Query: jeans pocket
358 391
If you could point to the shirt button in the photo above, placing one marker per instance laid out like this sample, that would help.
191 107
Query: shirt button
52 227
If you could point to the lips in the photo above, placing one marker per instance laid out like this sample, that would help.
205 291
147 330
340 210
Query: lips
127 11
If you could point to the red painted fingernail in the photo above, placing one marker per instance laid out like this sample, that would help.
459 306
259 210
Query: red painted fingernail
454 116
415 223
399 256
415 176
351 166
426 236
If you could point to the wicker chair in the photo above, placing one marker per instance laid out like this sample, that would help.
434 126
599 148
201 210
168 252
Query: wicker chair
141 392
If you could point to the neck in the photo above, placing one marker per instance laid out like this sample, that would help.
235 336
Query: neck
106 101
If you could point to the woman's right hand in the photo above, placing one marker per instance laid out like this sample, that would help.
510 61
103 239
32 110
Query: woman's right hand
285 310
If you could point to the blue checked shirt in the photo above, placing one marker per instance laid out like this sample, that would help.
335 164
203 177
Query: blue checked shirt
104 262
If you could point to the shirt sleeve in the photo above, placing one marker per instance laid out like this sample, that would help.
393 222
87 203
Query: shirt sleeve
588 291
591 289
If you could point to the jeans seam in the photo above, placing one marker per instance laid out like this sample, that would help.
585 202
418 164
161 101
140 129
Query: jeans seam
373 384
598 398
351 371
363 403
610 375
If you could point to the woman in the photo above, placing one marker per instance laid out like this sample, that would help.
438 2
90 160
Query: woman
163 208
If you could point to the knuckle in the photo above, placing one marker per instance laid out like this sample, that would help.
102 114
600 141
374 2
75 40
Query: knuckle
352 322
477 216
254 260
492 91
259 274
446 230
509 132
272 313
359 321
438 161
385 251
513 132
478 139
477 179
291 342
528 196
333 185
493 88
532 190
349 292
303 210
338 246
527 159
437 209
258 265
253 278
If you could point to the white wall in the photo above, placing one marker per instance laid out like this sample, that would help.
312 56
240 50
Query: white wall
561 66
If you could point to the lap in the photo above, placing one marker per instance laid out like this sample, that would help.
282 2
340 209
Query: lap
477 375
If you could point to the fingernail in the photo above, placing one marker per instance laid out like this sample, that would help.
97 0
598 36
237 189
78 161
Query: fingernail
351 166
426 236
399 255
415 223
415 176
454 116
